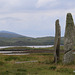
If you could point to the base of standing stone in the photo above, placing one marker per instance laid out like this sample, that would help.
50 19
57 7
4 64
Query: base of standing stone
68 57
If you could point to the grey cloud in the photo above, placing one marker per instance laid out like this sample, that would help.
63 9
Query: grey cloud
25 5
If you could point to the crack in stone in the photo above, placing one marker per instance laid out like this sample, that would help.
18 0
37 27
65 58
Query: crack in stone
67 51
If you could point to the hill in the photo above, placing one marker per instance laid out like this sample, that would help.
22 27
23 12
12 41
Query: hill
13 39
8 34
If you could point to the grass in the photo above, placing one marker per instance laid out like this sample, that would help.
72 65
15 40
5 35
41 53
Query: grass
17 57
44 66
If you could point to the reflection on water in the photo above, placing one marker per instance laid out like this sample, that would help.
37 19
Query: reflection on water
1 47
19 52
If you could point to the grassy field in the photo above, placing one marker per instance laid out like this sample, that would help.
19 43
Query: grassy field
44 66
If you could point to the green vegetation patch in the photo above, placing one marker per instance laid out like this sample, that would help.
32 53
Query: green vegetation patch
1 63
65 70
11 58
44 66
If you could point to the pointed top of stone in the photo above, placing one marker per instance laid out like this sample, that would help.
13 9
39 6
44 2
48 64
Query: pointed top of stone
69 14
69 18
57 22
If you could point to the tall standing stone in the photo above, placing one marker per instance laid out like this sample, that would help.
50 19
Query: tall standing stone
57 41
68 39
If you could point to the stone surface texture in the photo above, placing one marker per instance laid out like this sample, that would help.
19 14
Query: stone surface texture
68 40
57 41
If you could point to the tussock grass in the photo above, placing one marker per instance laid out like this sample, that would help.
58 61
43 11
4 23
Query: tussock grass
44 66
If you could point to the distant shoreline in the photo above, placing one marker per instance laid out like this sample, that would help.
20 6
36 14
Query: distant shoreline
40 46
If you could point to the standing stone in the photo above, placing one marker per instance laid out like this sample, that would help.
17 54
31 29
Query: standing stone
57 41
68 39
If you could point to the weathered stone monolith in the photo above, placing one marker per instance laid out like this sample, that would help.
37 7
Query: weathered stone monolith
69 39
57 41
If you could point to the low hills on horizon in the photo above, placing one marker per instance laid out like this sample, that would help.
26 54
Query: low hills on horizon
13 39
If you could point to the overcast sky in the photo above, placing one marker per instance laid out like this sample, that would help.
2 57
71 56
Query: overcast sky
34 18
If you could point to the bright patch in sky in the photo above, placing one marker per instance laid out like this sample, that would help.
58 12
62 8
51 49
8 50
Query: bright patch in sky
41 3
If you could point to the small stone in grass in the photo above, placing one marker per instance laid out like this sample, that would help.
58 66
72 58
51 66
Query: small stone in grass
74 71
